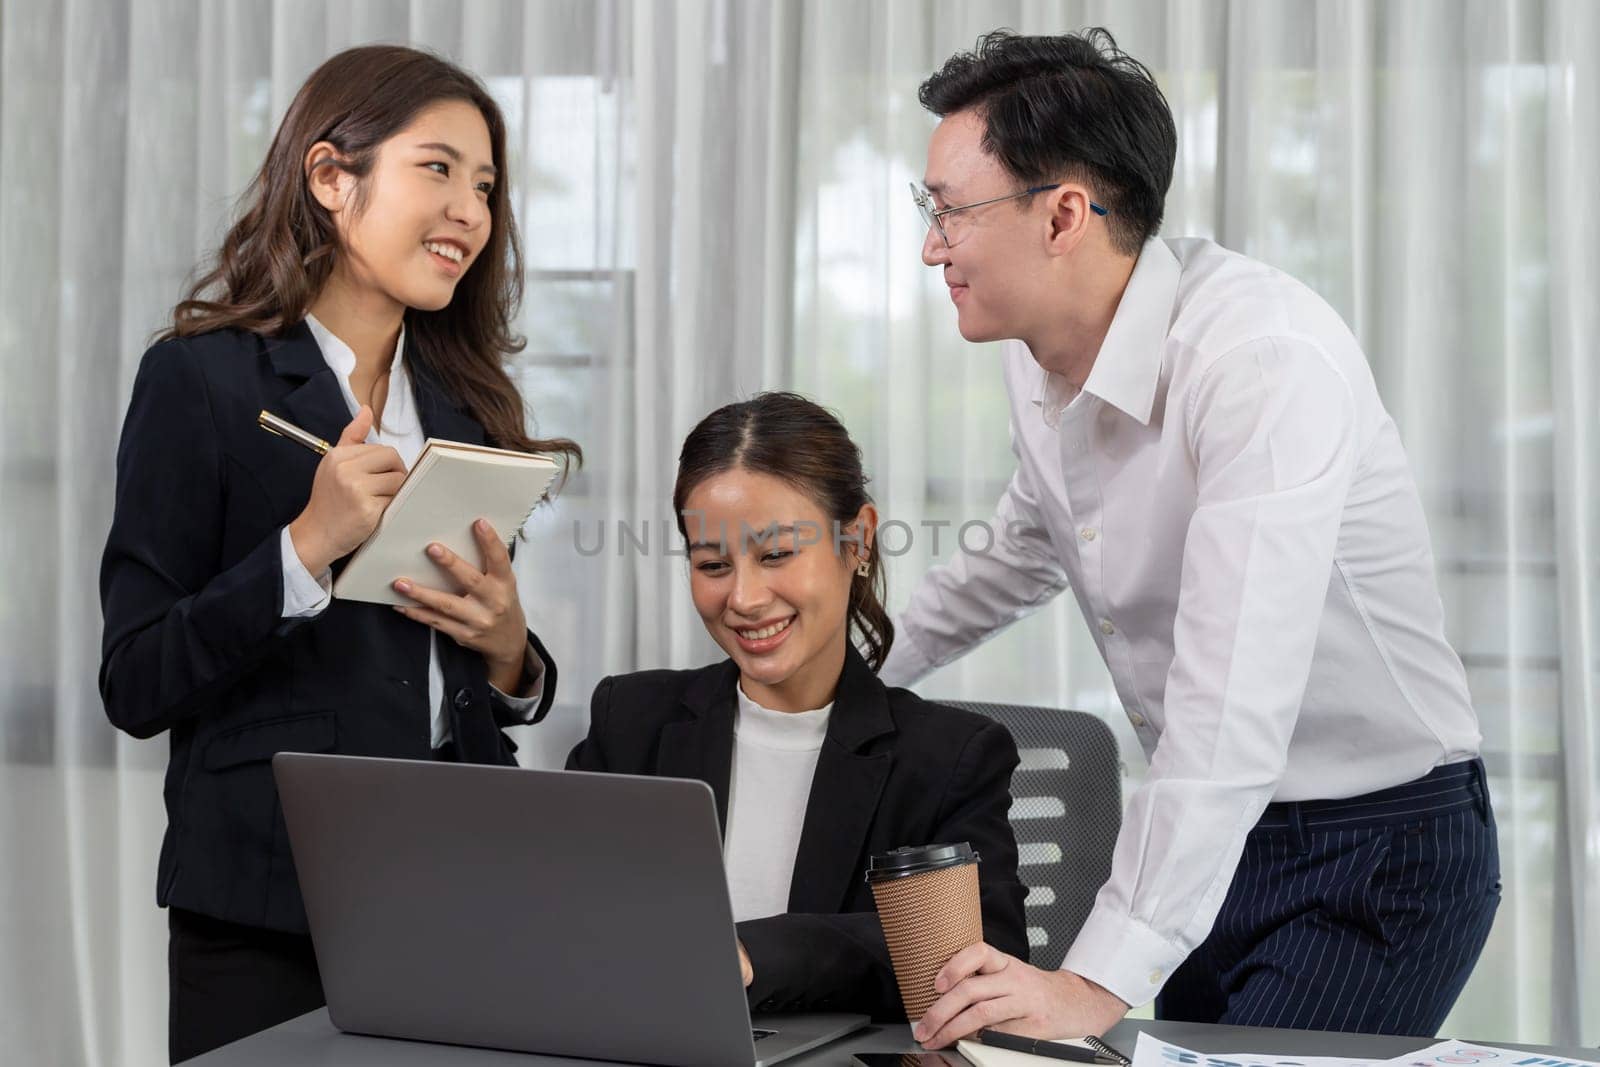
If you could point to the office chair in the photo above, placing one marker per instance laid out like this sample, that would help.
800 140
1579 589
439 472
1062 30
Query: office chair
1066 810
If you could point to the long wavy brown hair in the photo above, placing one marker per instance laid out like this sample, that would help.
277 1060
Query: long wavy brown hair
276 257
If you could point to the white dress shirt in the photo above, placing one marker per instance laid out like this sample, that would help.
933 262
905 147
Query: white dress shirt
1231 505
400 427
774 759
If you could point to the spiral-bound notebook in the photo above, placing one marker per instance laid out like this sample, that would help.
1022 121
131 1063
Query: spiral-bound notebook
449 487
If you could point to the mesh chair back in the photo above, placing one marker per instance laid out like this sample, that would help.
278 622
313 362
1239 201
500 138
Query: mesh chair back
1066 810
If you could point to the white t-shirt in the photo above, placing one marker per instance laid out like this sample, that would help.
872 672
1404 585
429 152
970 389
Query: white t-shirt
774 757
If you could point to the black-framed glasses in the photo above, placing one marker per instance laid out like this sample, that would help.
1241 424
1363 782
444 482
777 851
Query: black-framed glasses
934 216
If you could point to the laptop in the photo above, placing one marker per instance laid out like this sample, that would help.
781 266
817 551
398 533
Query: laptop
558 912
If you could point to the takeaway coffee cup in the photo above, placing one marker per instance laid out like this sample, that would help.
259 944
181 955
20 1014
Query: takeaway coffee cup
927 899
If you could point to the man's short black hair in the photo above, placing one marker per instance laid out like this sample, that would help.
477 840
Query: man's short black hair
1070 107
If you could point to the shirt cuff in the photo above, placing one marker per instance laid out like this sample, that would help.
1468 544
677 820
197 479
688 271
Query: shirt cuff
1124 956
532 685
907 663
303 595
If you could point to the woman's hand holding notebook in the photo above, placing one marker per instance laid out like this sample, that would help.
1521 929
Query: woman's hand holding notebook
449 487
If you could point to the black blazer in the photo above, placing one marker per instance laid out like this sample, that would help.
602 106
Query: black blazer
191 586
894 770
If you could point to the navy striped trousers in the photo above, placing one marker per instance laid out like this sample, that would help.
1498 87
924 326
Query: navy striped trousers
1365 914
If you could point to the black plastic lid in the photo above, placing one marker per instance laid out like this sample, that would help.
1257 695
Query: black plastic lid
917 859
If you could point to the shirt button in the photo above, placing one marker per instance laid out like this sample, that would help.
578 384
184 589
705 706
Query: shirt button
1106 627
1155 977
1087 533
1136 719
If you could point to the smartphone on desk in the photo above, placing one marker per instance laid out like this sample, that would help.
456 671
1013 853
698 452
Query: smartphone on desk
908 1059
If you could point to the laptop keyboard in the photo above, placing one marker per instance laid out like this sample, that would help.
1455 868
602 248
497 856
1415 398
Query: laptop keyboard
757 1035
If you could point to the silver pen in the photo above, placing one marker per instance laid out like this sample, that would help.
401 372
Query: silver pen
284 428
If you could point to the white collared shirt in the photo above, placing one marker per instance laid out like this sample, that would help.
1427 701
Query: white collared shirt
400 427
1230 503
769 786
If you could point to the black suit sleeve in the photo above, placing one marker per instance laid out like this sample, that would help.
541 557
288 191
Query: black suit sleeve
821 963
178 628
506 715
818 962
590 753
977 808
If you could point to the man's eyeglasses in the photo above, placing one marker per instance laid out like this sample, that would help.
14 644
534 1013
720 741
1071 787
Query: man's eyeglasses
934 217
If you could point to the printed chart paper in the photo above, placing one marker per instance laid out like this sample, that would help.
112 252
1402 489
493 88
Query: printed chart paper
1151 1052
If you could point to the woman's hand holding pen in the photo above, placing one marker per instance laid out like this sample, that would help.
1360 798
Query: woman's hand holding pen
354 483
486 616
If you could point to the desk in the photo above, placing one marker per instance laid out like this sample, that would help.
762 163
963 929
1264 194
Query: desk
311 1040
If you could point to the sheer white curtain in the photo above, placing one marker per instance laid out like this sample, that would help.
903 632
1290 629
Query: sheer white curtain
713 201
657 282
1429 167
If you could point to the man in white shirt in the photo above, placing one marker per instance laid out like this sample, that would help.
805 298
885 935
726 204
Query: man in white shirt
1203 458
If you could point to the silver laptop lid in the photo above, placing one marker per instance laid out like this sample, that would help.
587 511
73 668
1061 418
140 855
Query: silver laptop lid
544 911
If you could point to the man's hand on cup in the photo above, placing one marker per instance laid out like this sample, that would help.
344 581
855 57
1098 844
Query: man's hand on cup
983 987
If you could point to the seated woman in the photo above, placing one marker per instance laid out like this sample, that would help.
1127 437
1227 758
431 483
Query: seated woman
814 762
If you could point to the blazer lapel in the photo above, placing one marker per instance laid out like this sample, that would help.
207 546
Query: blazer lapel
315 402
440 417
701 746
844 791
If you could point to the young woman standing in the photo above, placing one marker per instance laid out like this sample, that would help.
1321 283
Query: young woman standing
366 294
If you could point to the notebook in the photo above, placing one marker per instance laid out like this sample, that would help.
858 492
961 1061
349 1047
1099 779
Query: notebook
449 487
989 1056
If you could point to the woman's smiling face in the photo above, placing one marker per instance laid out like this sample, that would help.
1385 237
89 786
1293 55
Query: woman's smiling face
424 215
770 586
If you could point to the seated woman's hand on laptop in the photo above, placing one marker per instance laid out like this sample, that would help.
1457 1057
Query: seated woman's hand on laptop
983 987
746 972
487 616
